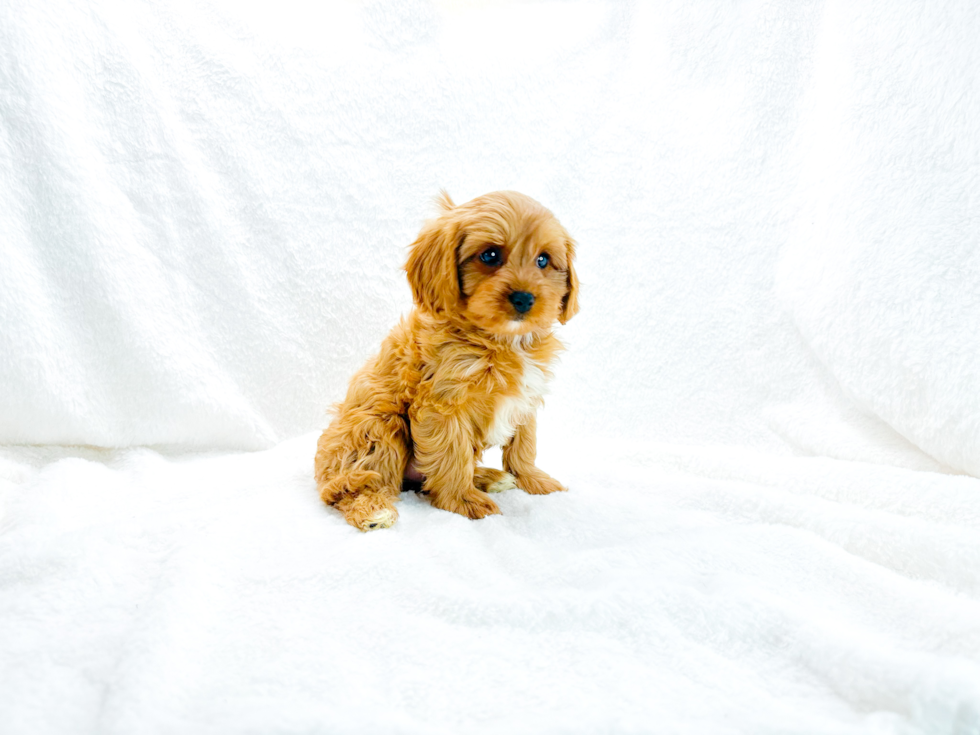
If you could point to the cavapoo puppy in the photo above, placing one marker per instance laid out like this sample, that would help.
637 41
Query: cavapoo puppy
464 371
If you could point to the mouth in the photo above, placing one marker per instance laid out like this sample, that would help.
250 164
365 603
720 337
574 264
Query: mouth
518 325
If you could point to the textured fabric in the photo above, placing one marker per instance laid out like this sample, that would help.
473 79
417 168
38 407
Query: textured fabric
207 206
675 589
768 415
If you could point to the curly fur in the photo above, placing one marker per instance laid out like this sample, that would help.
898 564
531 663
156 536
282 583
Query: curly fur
464 371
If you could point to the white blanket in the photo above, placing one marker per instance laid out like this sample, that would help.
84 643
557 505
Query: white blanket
683 590
768 415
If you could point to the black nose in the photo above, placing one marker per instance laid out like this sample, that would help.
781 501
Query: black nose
522 301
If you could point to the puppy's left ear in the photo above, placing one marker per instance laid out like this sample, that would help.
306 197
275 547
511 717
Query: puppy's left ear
431 267
569 304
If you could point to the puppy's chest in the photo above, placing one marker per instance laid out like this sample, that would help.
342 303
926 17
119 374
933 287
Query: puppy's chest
512 410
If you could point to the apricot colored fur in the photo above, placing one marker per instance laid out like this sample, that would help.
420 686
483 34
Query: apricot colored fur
462 369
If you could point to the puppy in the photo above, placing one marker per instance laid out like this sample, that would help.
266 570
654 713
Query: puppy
464 371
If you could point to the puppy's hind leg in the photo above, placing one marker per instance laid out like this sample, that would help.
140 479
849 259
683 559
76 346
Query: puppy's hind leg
491 480
363 499
362 479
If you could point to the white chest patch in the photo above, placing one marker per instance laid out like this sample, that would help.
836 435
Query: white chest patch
512 411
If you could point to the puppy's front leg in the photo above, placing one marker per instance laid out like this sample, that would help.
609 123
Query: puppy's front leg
444 455
519 454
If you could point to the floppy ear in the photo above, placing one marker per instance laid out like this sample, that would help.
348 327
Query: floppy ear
431 267
569 304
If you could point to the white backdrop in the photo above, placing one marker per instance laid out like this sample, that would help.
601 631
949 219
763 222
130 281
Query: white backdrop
767 397
206 209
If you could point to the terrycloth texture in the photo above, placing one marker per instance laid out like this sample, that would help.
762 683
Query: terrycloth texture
882 275
205 208
679 590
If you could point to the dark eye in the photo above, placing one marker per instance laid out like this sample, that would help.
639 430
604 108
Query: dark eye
543 260
491 256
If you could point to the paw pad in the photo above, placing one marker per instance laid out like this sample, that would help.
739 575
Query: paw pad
383 518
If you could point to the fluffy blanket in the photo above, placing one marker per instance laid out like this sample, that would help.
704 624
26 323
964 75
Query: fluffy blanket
677 590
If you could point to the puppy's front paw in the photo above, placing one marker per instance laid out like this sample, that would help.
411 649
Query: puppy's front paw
539 484
474 504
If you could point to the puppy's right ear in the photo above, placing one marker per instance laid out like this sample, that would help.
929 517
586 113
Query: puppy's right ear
431 265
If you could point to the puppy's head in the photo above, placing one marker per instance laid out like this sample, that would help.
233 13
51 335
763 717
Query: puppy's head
500 261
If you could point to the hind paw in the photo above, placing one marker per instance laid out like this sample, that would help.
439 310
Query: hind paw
368 511
491 480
